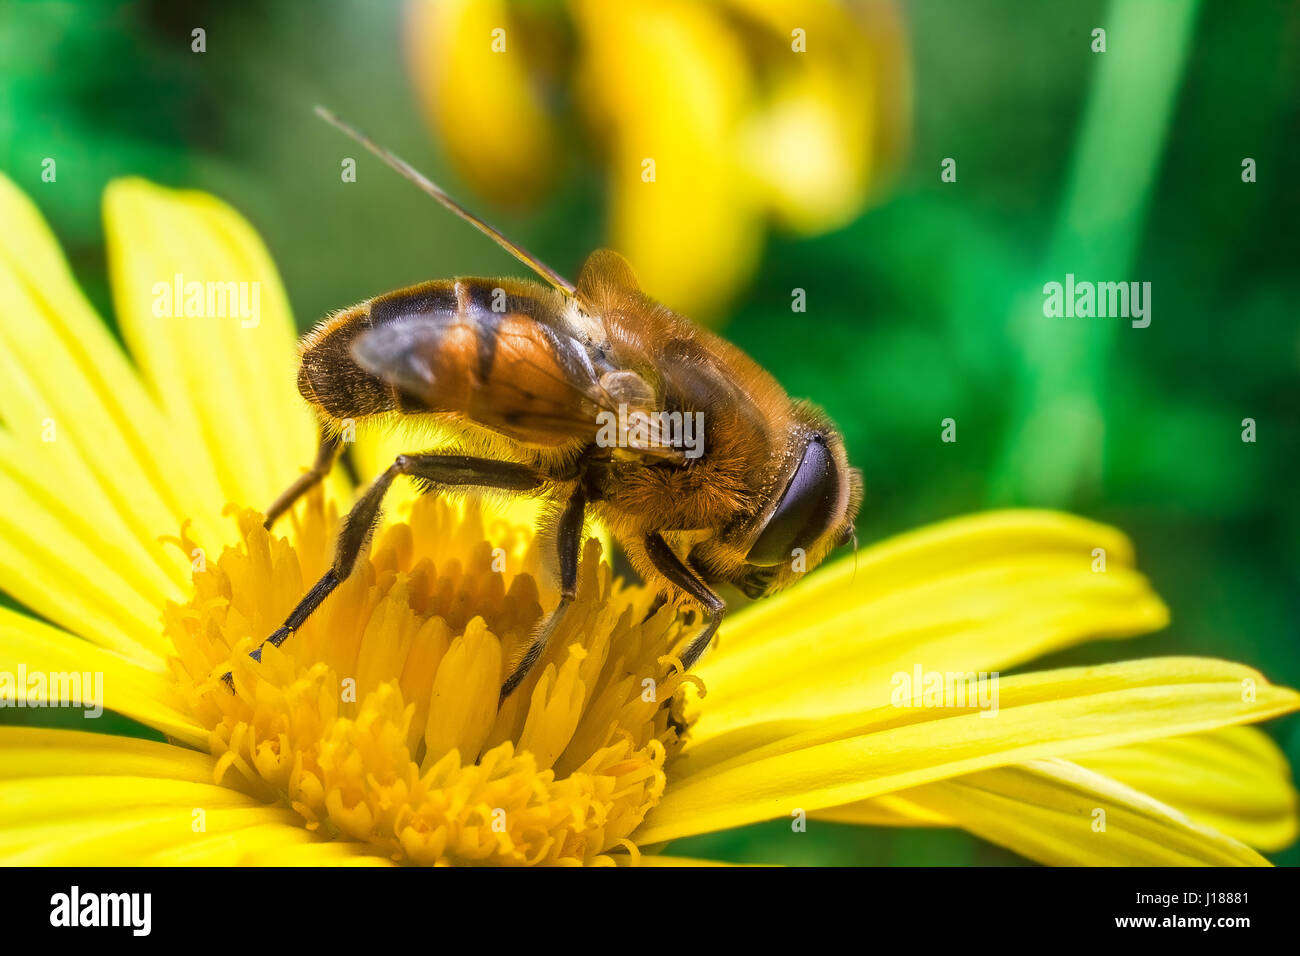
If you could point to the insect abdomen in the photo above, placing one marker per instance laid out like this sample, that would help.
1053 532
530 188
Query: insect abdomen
483 348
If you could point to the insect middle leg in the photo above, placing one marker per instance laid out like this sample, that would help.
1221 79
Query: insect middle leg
569 543
359 525
325 455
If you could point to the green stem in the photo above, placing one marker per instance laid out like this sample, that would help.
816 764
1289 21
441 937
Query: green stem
1055 441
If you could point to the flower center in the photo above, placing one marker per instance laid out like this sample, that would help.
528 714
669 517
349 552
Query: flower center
378 720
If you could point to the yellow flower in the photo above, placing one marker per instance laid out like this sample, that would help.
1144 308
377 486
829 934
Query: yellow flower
374 735
710 118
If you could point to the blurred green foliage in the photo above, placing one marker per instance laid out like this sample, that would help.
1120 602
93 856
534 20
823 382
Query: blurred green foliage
927 307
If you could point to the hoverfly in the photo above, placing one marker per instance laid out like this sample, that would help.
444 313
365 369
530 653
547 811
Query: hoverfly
585 394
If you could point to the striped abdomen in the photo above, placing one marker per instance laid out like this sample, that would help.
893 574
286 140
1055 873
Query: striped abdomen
494 351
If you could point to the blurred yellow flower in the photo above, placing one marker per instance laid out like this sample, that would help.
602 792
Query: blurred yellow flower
711 118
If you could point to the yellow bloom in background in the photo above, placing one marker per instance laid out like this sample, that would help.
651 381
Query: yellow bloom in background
710 118
374 735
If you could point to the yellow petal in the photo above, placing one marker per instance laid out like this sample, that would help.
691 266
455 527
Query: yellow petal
58 574
812 765
1235 780
1061 814
37 800
128 688
310 853
81 516
86 461
980 593
40 752
61 363
226 381
128 837
889 810
281 842
95 799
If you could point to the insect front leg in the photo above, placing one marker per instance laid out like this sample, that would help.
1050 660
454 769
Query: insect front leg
359 525
325 455
569 544
667 563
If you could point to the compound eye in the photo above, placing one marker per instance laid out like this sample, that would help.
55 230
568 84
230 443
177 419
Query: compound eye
805 509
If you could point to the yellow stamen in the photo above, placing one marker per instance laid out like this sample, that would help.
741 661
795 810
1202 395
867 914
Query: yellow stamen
378 720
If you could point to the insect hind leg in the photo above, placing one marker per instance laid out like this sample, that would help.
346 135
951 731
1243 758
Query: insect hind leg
360 523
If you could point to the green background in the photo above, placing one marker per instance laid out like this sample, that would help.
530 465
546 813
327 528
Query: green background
1123 166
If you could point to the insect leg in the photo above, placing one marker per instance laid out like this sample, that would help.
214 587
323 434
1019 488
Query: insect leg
569 543
359 525
678 574
325 455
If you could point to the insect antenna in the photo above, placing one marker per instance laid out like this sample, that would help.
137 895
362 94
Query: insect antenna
432 189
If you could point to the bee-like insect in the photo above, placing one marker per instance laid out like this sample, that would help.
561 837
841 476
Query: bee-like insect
598 397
